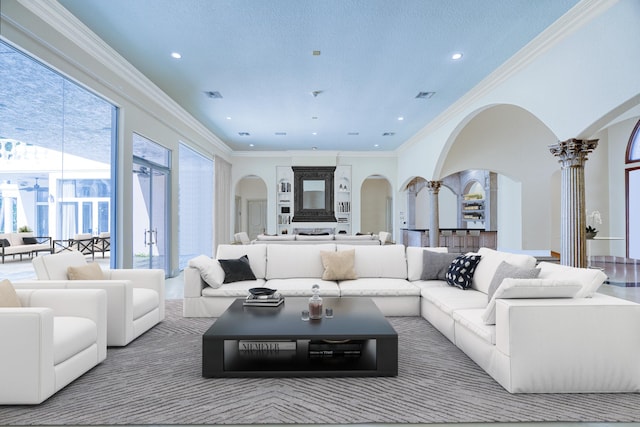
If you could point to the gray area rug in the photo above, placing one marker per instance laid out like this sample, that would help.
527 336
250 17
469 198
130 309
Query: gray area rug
156 380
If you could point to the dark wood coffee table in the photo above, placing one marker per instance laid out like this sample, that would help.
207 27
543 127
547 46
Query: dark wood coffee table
274 341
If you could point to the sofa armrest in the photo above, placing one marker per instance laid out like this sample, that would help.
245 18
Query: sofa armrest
144 278
26 359
193 283
569 344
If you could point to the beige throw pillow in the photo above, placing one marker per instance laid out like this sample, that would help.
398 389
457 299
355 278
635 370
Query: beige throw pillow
339 265
91 271
8 296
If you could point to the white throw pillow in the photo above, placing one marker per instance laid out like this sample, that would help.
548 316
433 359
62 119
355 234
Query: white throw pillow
589 278
210 270
489 263
529 288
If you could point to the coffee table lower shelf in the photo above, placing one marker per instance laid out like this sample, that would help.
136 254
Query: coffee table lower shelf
222 358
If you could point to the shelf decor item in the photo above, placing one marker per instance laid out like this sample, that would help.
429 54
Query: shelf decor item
590 232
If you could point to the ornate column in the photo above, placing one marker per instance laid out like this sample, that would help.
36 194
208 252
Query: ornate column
572 155
434 217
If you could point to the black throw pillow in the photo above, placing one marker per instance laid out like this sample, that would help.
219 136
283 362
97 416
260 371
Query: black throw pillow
237 270
29 240
4 243
460 273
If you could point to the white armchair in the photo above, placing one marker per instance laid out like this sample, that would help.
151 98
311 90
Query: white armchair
55 337
135 298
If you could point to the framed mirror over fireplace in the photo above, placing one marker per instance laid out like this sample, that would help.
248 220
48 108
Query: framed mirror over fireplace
313 194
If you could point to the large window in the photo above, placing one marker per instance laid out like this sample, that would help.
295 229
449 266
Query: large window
56 141
195 205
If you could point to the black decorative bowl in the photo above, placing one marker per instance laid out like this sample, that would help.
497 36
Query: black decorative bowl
262 292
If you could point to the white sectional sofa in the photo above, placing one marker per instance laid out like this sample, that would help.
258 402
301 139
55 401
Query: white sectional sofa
546 334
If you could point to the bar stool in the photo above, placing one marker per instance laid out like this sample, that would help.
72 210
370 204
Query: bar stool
445 237
460 241
474 240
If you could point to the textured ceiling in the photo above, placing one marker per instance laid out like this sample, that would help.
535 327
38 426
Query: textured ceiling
375 57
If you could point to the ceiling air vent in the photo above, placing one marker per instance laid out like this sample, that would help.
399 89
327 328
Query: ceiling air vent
388 134
281 133
425 95
214 94
244 133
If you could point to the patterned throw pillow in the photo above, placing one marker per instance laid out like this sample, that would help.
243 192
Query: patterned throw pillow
460 273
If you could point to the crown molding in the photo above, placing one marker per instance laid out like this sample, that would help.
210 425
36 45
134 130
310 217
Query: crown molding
567 24
64 22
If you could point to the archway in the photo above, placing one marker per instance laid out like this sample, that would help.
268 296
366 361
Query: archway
376 205
251 206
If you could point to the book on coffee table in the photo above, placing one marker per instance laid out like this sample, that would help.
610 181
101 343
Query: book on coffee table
262 301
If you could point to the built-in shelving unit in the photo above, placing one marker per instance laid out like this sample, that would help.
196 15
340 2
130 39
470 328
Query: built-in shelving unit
284 200
472 208
342 183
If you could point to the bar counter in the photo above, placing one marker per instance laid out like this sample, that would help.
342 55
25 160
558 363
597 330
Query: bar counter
459 241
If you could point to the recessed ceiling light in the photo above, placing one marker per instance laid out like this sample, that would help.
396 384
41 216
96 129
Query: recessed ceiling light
228 118
252 145
214 94
314 133
315 93
425 95
176 55
400 118
314 148
376 145
456 56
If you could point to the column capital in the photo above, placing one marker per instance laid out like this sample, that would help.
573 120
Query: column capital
434 186
573 152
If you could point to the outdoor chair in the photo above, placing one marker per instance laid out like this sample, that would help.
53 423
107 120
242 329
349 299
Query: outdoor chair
102 243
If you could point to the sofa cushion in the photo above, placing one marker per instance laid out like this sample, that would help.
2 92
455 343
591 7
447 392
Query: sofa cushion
235 289
293 261
387 261
472 320
530 288
5 243
449 299
436 264
376 286
71 335
359 237
313 237
590 278
506 270
210 270
257 256
278 238
415 260
237 269
8 296
301 287
29 240
91 271
144 301
489 264
460 272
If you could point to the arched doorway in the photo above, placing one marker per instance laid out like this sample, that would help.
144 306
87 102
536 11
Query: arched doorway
632 178
376 205
251 206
